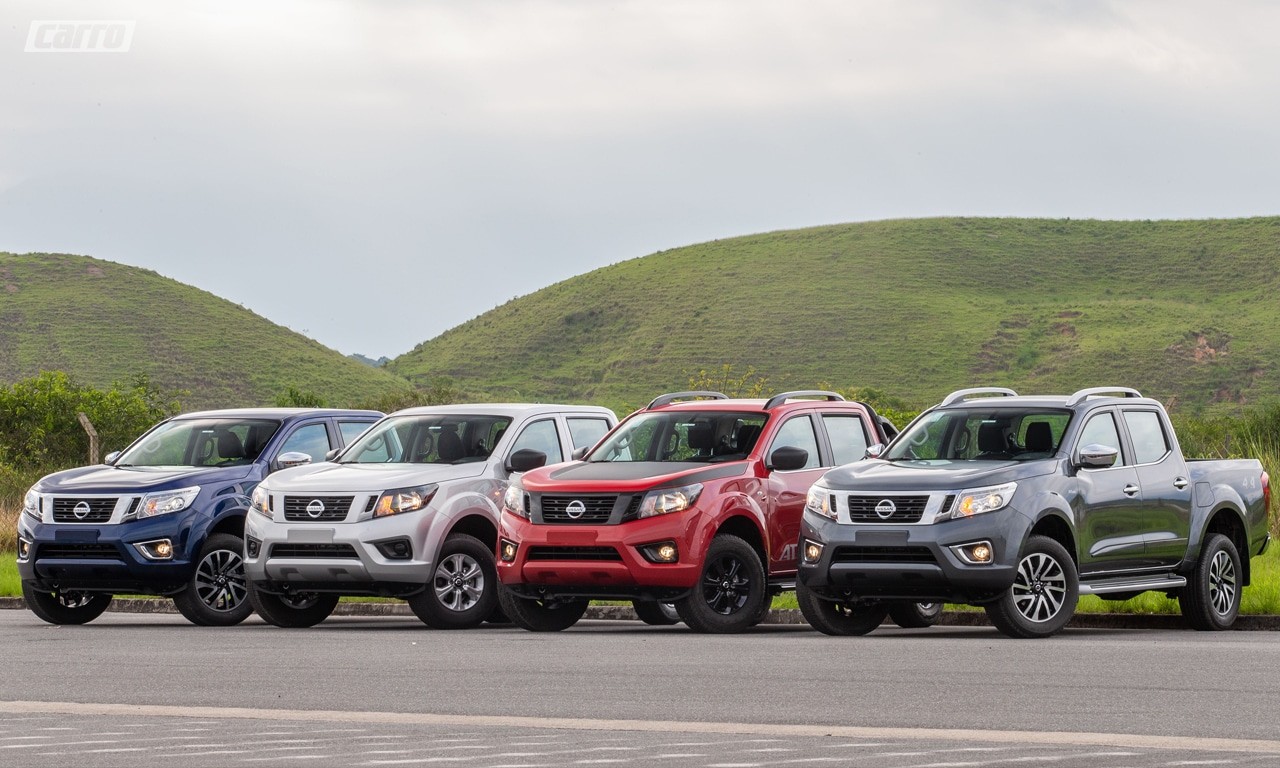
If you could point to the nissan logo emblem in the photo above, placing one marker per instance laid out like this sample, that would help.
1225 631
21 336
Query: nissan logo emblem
885 509
576 509
81 510
315 509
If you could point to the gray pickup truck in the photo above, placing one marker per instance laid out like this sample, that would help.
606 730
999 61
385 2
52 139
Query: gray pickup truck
1020 505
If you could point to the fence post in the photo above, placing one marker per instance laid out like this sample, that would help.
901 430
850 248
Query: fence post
93 436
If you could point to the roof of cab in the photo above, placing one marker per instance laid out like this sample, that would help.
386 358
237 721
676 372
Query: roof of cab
275 413
502 409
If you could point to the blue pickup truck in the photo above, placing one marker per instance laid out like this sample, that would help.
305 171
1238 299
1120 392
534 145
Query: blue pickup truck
166 515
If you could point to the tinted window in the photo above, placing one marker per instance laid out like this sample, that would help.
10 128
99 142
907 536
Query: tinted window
584 433
313 440
981 434
797 432
427 439
352 429
1149 442
1101 430
543 437
200 443
848 438
681 436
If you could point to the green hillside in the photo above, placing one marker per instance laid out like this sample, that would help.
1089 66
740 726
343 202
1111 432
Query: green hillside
1186 311
103 322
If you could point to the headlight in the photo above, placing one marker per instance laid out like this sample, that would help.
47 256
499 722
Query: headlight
31 503
819 502
667 500
404 500
975 501
513 500
168 502
261 501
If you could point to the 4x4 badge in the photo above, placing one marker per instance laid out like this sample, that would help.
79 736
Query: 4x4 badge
316 508
885 509
575 509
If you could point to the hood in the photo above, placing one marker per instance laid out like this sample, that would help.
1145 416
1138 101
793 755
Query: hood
103 478
333 478
879 475
625 476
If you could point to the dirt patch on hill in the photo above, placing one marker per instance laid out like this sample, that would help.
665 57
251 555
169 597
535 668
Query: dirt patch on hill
1204 346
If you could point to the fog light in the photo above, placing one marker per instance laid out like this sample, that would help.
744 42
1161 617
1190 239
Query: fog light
507 551
981 553
812 552
252 546
661 552
157 549
395 549
975 553
24 549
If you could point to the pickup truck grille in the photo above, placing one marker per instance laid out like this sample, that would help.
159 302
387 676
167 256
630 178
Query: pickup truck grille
883 555
336 551
78 552
596 509
334 508
606 554
95 510
898 509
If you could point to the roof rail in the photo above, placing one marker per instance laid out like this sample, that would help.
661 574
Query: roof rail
670 398
965 394
779 399
1083 394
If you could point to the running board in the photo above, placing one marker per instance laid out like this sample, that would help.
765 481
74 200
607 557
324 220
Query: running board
1131 584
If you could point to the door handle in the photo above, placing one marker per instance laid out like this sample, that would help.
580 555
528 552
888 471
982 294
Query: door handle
1131 490
1180 483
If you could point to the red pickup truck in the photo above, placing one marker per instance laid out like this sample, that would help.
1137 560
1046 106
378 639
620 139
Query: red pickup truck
694 500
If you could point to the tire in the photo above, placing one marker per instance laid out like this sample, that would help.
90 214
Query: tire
497 615
69 607
216 595
915 615
1211 599
833 618
1044 594
463 590
655 613
731 591
294 611
541 615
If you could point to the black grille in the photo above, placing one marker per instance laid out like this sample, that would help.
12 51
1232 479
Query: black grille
607 554
633 508
883 555
335 508
78 552
555 509
907 509
338 551
64 510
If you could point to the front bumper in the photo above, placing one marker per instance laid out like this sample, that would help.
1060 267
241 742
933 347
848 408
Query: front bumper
103 558
600 561
912 562
344 558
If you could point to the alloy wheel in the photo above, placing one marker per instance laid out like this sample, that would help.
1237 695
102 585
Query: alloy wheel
1040 587
219 580
458 582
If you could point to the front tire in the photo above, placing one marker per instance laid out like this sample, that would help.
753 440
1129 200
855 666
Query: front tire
915 615
731 592
836 618
1045 590
541 615
65 607
462 592
292 611
655 613
216 595
1211 599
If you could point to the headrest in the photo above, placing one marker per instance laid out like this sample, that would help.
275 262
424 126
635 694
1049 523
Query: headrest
1039 437
229 446
991 438
702 436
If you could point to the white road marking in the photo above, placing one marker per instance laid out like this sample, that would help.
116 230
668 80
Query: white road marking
1055 738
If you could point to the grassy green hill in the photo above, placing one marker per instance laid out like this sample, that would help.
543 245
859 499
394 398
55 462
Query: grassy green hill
103 322
1186 311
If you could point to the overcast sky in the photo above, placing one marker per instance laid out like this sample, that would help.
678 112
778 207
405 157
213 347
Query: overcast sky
373 173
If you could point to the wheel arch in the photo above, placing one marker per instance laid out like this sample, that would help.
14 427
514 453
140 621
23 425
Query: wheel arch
746 528
1228 521
1053 524
477 524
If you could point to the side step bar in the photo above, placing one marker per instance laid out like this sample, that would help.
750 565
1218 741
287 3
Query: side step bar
1131 584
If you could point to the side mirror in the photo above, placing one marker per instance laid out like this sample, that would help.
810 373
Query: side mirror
1096 456
525 459
110 458
332 454
292 459
874 451
788 458
579 453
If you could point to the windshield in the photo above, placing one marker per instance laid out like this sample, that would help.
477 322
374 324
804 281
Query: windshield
200 443
973 434
432 439
682 436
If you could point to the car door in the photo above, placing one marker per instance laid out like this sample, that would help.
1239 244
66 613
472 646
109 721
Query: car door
1166 488
787 489
1108 503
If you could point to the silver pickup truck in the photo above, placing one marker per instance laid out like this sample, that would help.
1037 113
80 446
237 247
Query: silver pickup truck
1020 505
